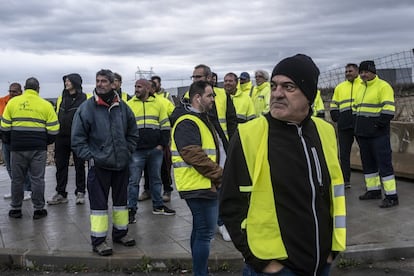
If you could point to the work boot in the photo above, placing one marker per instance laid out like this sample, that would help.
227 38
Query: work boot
126 240
15 213
347 185
103 249
376 194
389 201
38 214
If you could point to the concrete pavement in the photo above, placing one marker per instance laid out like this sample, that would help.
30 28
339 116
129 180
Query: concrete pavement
62 239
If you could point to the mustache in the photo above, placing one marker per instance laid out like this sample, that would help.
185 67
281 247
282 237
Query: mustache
278 101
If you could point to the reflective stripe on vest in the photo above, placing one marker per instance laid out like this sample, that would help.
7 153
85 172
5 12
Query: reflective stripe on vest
221 107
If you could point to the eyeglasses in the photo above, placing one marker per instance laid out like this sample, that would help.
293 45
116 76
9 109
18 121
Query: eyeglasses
197 77
286 86
13 91
259 76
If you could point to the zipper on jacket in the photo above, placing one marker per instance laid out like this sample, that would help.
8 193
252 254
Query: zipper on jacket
358 111
318 168
145 119
312 184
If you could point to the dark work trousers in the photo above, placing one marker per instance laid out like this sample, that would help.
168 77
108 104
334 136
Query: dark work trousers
376 155
62 155
165 172
99 182
346 139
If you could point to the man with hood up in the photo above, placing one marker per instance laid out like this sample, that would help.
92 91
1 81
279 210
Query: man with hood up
67 104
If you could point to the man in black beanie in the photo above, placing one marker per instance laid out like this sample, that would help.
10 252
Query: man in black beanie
374 108
282 175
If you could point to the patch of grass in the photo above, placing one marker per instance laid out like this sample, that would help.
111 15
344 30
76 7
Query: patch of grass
75 268
344 263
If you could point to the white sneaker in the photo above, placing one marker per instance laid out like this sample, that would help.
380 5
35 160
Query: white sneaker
57 199
224 233
27 195
7 196
80 198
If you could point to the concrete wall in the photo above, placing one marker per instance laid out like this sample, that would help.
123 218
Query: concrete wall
402 144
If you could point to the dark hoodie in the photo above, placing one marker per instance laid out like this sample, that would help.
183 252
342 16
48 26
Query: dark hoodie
69 104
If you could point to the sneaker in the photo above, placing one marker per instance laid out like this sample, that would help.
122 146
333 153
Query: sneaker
144 196
27 195
163 210
388 202
126 241
166 197
38 214
224 233
347 185
103 249
131 216
57 199
376 194
80 198
7 196
15 213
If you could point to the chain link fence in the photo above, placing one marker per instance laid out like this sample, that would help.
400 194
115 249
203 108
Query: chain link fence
397 69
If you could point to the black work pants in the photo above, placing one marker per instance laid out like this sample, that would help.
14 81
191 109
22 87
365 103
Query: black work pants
62 155
346 139
100 183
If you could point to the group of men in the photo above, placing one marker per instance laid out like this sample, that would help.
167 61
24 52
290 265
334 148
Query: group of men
247 173
362 107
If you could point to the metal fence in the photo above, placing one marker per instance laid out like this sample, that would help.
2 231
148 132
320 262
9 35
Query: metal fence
396 68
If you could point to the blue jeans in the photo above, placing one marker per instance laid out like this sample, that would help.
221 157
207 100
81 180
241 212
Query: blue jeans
249 271
205 212
6 158
153 159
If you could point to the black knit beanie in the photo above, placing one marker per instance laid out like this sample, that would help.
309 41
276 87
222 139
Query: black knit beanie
303 71
368 65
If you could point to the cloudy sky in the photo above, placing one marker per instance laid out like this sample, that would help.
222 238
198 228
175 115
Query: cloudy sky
48 39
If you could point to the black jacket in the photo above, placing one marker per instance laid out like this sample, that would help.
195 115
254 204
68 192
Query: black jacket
292 193
69 104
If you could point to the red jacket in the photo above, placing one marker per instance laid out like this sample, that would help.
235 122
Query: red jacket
3 101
